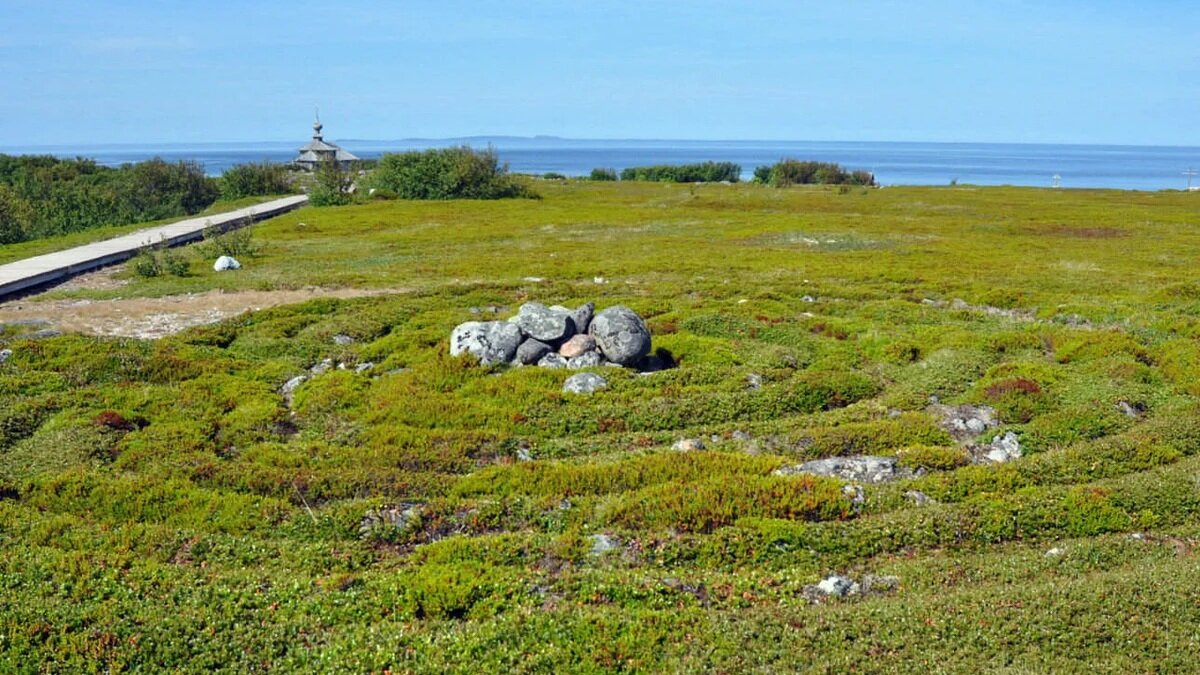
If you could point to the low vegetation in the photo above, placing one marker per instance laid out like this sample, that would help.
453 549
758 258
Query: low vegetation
170 504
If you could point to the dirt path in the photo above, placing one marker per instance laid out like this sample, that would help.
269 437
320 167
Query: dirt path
158 317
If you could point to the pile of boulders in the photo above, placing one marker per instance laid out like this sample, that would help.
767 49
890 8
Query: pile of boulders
557 337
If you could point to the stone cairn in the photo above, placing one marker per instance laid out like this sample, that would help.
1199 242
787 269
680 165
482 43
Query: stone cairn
557 337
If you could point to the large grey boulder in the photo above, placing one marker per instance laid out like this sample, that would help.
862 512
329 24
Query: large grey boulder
584 383
531 351
489 341
621 335
861 468
548 324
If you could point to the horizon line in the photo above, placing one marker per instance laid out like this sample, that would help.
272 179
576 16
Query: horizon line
551 138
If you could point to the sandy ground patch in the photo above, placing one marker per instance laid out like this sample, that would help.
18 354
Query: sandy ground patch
157 317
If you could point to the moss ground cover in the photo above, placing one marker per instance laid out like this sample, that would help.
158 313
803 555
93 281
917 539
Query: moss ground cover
163 504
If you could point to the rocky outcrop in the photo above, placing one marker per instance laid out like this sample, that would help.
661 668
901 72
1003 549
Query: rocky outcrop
860 468
558 337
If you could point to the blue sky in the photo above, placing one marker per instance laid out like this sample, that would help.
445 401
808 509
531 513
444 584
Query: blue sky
1005 71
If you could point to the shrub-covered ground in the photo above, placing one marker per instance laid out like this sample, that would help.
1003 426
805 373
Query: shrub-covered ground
163 505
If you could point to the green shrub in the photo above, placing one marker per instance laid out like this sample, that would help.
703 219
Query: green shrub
447 173
255 179
787 172
58 196
703 172
603 174
234 240
553 175
333 183
15 216
159 261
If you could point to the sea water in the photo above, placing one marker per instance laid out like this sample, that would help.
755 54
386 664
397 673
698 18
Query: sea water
1104 166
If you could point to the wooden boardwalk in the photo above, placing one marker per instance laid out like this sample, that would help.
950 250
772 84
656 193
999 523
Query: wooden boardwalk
52 267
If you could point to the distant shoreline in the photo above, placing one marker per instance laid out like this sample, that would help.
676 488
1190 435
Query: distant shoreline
1128 167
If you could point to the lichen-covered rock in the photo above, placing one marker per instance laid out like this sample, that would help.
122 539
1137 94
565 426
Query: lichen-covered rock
341 339
548 324
584 383
1002 448
863 468
582 316
837 586
621 335
577 345
589 359
553 360
531 351
688 445
489 341
5 354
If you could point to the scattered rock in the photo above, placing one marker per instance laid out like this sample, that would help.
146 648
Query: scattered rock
808 298
1129 410
582 316
1003 448
740 436
754 381
292 385
584 383
552 360
364 367
321 368
523 452
545 323
837 586
855 494
621 335
864 468
688 444
1055 552
43 334
491 342
577 345
964 422
601 544
399 516
585 360
342 339
531 351
5 355
919 498
225 263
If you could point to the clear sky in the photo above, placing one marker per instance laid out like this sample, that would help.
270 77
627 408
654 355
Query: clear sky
1069 71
